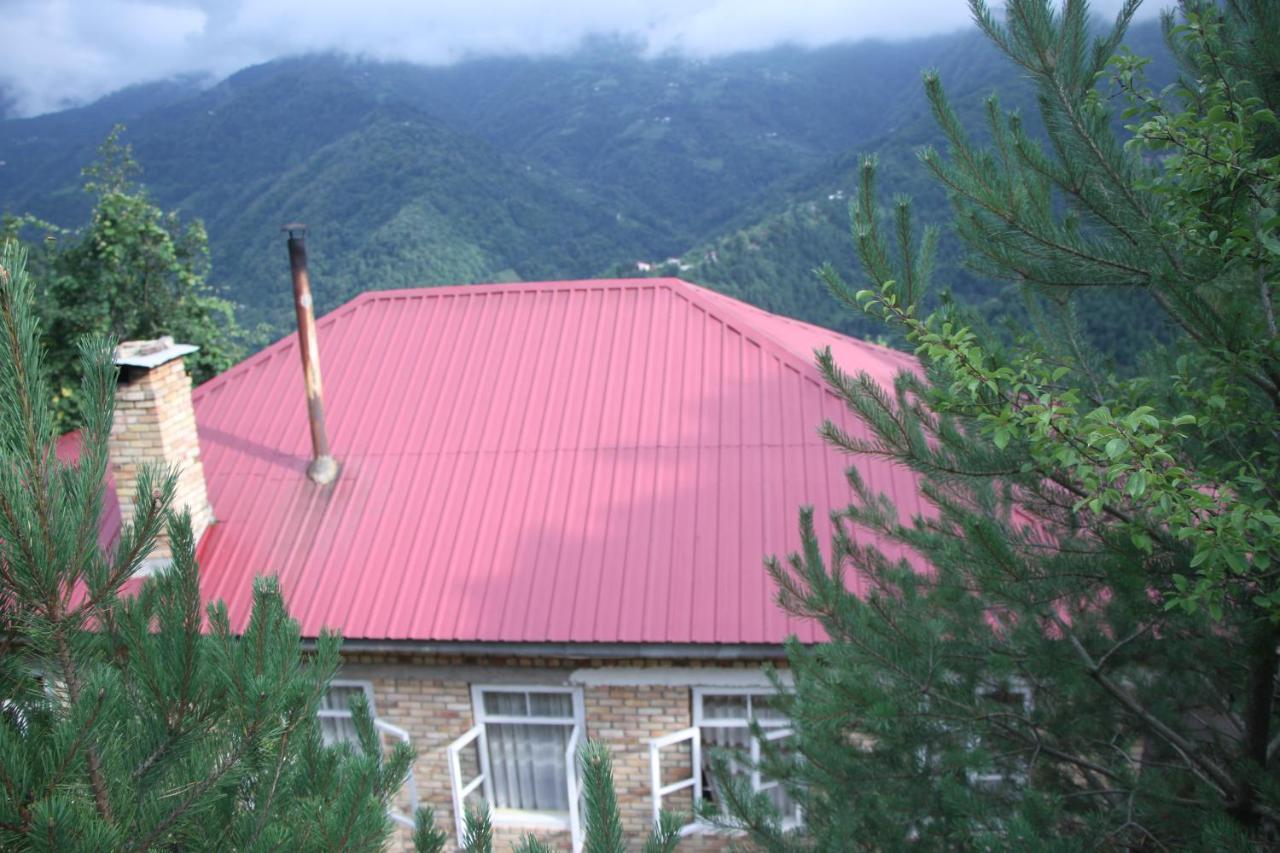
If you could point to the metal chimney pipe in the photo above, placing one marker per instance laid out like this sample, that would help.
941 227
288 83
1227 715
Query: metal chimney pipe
323 468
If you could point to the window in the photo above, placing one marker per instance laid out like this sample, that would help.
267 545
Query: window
1005 769
33 696
336 725
527 733
521 755
723 718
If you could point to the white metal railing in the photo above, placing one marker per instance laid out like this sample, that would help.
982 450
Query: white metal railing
383 727
694 780
462 790
571 774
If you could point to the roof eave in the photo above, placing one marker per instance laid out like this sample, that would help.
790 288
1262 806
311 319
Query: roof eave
585 651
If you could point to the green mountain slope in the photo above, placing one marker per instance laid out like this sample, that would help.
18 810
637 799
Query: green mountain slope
769 256
452 210
692 141
553 167
393 196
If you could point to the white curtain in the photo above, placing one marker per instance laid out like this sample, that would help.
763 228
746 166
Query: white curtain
527 763
526 760
335 729
736 737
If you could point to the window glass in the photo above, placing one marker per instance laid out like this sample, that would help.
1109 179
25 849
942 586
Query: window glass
1003 770
527 762
335 713
551 705
725 724
506 704
764 710
724 706
527 769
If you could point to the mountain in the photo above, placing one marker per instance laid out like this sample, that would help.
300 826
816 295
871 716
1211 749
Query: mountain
520 168
769 256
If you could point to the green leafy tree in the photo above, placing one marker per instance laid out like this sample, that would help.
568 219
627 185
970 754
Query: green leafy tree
135 720
134 272
1091 660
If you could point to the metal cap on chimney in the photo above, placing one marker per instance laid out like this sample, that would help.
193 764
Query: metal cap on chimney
323 468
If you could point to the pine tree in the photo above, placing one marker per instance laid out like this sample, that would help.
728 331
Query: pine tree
1090 660
130 717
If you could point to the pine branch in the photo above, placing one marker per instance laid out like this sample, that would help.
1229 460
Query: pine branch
367 784
602 822
224 766
70 673
477 831
665 835
1220 778
428 838
55 778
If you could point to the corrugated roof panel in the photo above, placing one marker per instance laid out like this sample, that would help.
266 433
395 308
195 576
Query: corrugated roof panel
599 461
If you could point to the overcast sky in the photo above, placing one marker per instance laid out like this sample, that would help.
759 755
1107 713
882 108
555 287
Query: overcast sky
57 53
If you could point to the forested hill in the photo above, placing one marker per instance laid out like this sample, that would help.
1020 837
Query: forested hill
769 256
519 168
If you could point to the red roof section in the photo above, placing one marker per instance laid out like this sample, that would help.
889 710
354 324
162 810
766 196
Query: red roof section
585 462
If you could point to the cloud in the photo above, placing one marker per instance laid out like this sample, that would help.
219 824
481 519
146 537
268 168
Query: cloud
58 53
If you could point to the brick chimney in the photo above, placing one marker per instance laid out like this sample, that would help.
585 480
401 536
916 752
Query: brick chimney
155 422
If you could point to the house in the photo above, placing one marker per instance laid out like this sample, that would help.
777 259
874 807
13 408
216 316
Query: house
548 522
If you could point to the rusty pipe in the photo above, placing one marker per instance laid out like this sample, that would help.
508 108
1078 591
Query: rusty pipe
323 468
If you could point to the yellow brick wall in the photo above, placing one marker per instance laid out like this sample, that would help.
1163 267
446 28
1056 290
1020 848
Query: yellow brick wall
624 718
420 694
155 423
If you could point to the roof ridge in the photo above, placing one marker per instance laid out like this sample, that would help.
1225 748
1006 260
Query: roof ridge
745 317
728 311
510 286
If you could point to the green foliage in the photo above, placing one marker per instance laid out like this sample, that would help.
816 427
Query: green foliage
530 844
602 822
1091 660
133 273
665 837
123 725
478 831
514 168
427 837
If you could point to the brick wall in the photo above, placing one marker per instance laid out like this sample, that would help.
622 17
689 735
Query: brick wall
434 712
625 718
430 697
155 423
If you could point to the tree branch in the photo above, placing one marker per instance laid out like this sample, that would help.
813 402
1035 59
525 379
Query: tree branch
1219 777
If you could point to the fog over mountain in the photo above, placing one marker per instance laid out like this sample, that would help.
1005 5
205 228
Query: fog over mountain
61 53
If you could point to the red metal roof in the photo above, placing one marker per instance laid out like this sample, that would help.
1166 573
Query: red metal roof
594 461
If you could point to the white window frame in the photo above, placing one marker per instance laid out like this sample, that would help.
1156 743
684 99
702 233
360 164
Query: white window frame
380 727
519 817
461 790
345 713
693 734
18 713
1014 686
774 730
